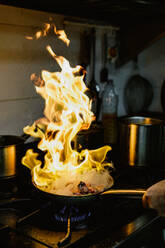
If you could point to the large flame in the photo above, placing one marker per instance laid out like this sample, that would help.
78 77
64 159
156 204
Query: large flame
67 111
47 27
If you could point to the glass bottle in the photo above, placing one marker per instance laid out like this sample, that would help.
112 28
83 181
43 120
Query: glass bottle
109 113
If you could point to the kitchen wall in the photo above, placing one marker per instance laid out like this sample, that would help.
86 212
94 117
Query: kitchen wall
19 58
151 63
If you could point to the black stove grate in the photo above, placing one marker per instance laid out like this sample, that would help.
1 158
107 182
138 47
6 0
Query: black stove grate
30 221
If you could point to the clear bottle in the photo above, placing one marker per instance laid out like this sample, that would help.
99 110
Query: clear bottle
109 113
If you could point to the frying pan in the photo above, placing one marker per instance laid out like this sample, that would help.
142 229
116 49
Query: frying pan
145 195
86 199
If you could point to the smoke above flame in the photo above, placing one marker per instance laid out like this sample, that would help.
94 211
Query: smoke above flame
67 111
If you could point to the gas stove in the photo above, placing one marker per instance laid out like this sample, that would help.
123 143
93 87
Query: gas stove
27 220
29 223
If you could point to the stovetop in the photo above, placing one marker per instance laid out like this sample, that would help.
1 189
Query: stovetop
29 221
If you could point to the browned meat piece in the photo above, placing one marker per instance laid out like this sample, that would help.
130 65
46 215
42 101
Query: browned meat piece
83 189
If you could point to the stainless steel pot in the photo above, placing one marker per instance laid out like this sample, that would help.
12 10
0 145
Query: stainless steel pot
141 141
10 152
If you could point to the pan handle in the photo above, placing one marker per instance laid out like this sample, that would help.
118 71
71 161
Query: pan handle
125 193
25 136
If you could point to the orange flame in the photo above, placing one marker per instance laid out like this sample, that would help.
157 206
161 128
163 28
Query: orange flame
67 111
46 29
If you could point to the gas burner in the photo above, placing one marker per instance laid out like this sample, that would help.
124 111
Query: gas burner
78 216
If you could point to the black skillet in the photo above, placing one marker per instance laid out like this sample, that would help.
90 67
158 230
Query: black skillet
86 199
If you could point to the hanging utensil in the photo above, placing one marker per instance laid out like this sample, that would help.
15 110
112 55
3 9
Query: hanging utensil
163 96
104 70
85 50
93 85
138 93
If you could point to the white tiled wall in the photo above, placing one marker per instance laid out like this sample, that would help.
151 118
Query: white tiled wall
19 58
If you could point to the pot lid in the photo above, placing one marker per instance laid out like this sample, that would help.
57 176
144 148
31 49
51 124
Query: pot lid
141 120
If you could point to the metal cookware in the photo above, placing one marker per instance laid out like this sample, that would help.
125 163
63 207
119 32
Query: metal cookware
93 85
141 141
152 197
88 198
84 201
10 152
138 92
91 138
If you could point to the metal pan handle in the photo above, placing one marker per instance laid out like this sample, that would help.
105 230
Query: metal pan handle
25 136
126 193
